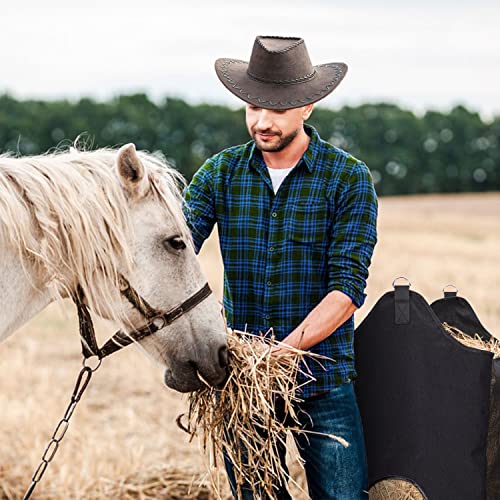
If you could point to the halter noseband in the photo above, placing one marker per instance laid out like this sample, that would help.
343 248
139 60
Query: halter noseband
157 319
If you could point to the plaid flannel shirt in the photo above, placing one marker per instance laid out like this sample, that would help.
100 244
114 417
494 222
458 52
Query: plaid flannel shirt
284 252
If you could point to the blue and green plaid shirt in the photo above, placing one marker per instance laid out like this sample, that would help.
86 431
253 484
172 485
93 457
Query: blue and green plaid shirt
284 252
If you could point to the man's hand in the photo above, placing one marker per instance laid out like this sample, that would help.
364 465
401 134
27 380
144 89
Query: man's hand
284 348
280 349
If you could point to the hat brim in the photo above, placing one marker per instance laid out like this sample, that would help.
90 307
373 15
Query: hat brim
233 75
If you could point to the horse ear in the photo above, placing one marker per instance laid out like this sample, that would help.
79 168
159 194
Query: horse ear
131 170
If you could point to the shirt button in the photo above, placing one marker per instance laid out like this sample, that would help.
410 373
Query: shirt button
274 214
271 249
269 283
268 316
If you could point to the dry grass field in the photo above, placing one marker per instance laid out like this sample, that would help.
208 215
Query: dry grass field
123 438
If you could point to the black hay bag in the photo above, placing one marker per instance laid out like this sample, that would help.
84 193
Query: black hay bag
430 405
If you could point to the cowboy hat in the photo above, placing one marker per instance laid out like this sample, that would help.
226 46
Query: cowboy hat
279 74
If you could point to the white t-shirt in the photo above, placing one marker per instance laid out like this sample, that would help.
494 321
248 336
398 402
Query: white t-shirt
278 176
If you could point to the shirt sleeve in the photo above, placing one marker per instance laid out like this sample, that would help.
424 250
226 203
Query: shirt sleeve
354 235
199 204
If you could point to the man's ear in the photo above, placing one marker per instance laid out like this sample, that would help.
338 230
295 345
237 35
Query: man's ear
307 111
131 171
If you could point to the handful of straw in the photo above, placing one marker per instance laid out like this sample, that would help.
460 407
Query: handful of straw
242 419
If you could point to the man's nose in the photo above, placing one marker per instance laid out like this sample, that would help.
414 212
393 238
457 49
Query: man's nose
265 121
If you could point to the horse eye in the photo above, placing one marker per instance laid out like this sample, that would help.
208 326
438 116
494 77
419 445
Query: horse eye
175 242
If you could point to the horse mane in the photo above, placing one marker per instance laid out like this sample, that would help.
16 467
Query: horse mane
67 215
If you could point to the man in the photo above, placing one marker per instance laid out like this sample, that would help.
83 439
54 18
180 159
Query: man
297 228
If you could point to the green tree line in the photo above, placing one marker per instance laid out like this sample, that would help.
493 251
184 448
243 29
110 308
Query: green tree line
437 152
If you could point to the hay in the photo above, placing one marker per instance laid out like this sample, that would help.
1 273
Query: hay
167 481
395 489
240 420
161 482
492 345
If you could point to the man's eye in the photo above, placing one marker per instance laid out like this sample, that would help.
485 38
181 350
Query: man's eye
175 242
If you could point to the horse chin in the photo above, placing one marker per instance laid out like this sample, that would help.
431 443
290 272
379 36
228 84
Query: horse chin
187 383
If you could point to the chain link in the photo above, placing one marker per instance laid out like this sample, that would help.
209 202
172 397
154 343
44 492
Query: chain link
81 384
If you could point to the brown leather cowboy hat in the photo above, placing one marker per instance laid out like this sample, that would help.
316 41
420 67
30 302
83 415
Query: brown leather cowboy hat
279 74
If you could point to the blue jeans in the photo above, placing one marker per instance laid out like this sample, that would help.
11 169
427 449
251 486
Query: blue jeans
332 470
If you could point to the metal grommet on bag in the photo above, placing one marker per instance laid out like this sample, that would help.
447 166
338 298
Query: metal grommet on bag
403 277
448 293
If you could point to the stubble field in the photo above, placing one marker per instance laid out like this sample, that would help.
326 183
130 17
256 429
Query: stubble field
123 435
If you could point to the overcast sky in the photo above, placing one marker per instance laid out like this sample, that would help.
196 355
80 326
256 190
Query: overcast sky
426 55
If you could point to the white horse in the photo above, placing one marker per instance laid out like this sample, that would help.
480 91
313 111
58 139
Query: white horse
87 217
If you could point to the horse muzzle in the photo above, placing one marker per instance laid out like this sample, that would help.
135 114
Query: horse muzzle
191 375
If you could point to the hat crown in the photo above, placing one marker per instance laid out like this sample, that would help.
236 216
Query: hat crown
280 60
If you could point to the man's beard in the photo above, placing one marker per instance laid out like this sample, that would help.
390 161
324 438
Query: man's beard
283 142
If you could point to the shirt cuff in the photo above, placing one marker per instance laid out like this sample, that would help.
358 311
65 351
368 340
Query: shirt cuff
357 297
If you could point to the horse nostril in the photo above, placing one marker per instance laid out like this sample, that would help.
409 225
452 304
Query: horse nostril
223 357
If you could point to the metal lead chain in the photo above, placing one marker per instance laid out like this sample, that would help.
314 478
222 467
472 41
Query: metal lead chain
81 384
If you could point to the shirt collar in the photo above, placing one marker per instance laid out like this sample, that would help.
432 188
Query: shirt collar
309 156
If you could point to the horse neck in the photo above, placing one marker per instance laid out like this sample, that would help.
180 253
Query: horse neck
19 300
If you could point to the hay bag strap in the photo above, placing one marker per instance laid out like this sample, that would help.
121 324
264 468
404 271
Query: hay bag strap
424 399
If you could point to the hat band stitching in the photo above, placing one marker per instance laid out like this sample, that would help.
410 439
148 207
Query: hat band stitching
281 51
299 79
224 71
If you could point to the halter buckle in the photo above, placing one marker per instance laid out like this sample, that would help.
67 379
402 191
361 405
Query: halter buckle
159 322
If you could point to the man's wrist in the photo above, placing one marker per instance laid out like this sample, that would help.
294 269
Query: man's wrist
322 321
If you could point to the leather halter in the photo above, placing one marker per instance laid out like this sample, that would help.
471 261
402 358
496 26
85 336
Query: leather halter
157 319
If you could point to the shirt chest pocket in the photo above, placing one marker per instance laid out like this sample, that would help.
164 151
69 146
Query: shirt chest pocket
307 222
